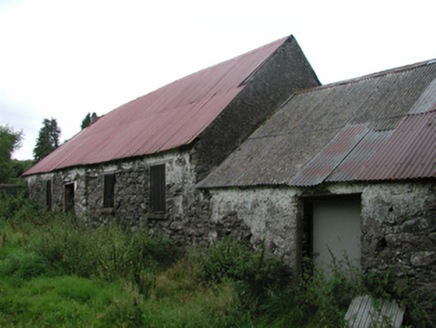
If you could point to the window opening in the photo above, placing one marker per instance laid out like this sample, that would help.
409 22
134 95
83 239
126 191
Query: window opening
109 190
157 189
48 197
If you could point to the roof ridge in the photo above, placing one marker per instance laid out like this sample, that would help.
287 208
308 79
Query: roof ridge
371 75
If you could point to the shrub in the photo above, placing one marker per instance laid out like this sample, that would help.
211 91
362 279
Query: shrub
256 274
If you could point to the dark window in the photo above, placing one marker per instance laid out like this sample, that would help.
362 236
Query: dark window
109 190
69 197
48 193
157 189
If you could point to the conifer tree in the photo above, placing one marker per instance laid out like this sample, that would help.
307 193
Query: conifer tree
48 139
88 120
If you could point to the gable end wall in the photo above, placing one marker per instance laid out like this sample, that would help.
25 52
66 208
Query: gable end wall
280 76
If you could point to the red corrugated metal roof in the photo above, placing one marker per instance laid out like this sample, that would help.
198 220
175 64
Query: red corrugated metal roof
410 152
164 119
359 157
317 170
358 154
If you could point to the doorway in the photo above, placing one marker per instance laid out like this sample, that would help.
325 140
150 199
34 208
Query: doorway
332 231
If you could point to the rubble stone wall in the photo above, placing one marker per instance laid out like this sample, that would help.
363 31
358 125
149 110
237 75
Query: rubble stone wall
399 233
398 225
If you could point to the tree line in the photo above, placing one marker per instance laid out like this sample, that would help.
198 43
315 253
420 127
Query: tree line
47 142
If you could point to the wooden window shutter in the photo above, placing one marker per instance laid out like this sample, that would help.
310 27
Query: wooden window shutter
157 189
109 190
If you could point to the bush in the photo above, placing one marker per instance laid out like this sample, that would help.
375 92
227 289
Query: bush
25 266
256 274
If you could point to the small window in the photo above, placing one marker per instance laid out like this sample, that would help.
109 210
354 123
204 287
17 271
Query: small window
109 190
48 193
157 189
69 197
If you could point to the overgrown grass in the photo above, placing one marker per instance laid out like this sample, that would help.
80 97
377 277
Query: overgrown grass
56 271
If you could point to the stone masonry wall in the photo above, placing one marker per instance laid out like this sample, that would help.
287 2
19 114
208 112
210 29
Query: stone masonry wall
399 233
398 225
269 215
132 192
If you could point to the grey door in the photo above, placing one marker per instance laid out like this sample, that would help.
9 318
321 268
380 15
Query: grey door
336 232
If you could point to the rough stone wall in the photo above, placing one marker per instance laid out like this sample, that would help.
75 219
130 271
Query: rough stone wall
188 211
399 233
132 188
266 215
398 225
36 187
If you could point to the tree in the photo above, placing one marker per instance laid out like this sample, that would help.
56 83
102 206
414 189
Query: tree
88 120
10 140
48 139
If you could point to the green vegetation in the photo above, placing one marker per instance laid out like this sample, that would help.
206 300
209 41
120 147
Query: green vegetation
10 140
88 119
48 139
58 272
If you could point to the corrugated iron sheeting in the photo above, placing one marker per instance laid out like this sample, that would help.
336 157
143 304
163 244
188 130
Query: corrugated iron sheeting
164 119
359 158
410 152
330 157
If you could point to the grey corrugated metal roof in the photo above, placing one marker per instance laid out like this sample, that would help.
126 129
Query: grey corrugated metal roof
277 152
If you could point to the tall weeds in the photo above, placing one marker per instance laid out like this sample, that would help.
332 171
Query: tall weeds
57 271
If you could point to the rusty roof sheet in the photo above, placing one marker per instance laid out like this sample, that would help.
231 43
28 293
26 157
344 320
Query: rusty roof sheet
326 161
359 158
298 133
167 118
410 152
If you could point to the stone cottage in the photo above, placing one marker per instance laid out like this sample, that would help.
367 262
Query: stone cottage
142 160
346 169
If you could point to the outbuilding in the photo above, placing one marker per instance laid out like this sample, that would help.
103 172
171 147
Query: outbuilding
342 172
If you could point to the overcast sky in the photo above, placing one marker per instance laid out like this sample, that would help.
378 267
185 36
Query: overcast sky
63 59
